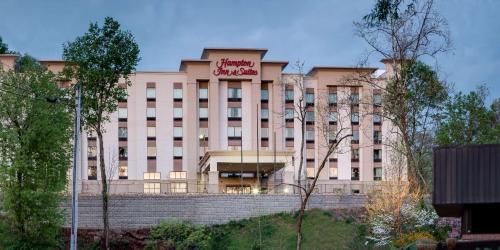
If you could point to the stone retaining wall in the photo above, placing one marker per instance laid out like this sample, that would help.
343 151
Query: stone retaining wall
140 211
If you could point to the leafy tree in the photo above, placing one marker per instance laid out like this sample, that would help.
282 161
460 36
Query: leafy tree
102 56
4 49
35 154
468 120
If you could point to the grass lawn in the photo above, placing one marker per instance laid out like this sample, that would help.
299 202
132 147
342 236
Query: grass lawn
321 231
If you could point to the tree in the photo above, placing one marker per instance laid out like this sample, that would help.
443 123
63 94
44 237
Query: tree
100 58
4 49
331 137
35 155
405 32
468 120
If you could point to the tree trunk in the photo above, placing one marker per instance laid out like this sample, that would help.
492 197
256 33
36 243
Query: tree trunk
104 191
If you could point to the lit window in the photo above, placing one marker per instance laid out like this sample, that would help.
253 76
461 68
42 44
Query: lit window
355 117
178 175
332 98
92 151
377 174
177 93
234 93
177 113
264 94
310 116
354 98
151 176
377 119
123 172
234 112
203 93
310 98
203 112
264 132
151 131
178 187
377 99
151 112
334 173
310 135
310 172
289 95
122 133
288 132
234 131
151 188
177 151
151 151
264 113
92 173
333 117
122 113
289 114
151 93
177 132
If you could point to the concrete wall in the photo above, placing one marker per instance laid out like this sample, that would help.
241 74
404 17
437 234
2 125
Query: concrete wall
144 211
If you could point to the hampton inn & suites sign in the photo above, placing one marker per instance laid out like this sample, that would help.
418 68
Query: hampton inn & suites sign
229 67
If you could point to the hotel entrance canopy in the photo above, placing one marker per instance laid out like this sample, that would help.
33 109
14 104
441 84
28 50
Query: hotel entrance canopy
231 161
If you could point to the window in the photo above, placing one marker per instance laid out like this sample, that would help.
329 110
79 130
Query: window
123 172
234 113
264 114
377 99
355 137
122 133
151 151
177 132
178 187
234 93
332 136
151 176
310 172
377 174
377 155
203 113
309 98
377 138
177 113
334 173
177 152
289 95
355 174
355 118
234 132
151 188
177 94
264 95
289 114
151 113
310 135
332 98
92 173
333 117
354 98
377 119
151 132
151 93
122 152
355 155
310 116
264 133
92 152
289 133
122 113
177 174
203 94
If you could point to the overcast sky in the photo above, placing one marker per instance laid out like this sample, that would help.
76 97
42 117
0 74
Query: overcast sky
317 32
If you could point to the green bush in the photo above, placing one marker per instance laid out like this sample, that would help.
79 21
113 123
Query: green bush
409 238
179 236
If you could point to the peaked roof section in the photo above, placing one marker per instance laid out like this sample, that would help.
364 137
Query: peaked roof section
206 50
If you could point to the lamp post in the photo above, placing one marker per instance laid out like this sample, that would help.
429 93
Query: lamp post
202 139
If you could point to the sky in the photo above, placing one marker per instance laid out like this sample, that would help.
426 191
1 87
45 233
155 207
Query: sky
317 32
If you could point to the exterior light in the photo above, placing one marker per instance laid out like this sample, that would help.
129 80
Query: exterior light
255 190
286 190
202 136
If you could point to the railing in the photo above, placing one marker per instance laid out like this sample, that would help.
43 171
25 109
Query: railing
153 187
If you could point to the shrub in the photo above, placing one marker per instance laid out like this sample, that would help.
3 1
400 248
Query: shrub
181 236
409 238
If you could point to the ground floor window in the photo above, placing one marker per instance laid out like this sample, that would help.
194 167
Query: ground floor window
92 173
151 188
238 189
355 174
310 172
178 187
333 173
123 172
377 174
177 174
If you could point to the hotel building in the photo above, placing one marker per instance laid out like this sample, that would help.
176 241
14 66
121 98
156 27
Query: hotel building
227 123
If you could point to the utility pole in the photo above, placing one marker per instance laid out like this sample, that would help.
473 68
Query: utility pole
76 150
